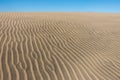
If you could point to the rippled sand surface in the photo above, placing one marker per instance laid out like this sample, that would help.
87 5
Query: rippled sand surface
59 46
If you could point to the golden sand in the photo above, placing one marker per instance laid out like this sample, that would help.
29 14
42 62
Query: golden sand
59 46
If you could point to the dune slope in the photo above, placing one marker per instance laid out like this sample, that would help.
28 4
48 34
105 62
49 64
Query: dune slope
59 46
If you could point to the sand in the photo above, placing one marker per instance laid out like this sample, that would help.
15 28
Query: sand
59 46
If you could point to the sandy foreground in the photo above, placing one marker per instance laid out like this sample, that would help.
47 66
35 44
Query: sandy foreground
59 46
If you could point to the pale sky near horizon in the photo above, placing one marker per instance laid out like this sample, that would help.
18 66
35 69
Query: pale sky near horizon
112 6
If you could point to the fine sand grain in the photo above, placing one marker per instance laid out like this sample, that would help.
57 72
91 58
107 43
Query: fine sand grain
59 46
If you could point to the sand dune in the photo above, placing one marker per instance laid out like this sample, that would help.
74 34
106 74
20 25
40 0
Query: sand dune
59 46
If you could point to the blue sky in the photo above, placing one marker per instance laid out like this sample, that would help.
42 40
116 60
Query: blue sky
60 6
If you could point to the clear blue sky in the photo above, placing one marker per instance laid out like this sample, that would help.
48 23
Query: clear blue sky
60 6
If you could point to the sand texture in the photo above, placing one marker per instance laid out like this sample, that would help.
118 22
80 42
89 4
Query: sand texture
59 46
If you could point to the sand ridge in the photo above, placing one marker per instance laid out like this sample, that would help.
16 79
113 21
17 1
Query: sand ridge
59 46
